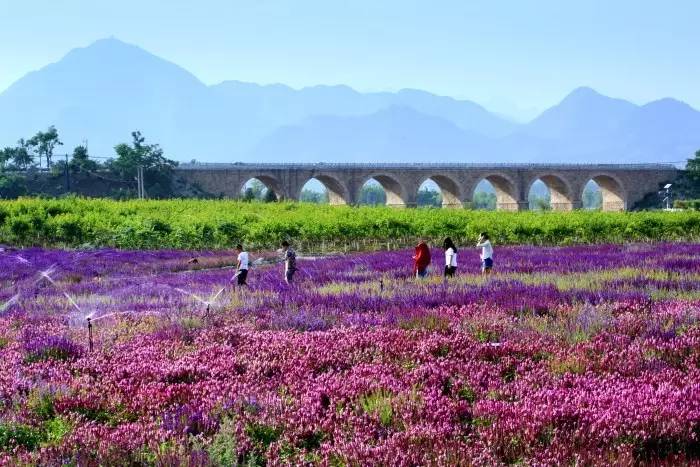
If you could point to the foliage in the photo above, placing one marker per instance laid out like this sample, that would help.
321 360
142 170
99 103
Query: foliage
372 195
5 157
310 196
430 198
22 157
12 186
196 224
693 168
379 404
224 447
81 162
158 170
540 202
44 143
13 435
484 200
691 204
592 199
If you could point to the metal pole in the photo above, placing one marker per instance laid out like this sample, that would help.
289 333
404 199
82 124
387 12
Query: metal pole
67 175
89 326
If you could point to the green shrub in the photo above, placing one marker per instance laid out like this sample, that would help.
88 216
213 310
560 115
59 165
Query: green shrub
13 435
379 404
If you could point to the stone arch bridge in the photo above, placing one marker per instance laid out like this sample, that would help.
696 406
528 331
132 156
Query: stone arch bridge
621 185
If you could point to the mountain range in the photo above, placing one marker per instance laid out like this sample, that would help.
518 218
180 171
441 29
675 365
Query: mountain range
102 92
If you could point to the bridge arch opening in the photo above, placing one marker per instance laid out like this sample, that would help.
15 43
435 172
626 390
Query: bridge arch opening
484 196
500 187
605 193
261 188
549 192
381 189
324 189
591 197
438 191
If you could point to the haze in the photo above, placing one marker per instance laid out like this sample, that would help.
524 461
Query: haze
514 57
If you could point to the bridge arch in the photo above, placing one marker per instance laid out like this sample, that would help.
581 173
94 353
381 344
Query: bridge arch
394 190
449 189
560 192
506 190
271 183
612 191
338 193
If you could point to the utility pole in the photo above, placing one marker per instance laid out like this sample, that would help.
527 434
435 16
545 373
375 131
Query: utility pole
139 180
67 175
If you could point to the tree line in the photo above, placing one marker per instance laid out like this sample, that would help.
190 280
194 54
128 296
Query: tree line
37 154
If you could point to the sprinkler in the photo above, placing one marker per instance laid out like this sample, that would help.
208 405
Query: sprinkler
89 326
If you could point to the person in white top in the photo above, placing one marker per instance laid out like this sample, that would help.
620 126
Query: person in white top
450 257
486 253
241 266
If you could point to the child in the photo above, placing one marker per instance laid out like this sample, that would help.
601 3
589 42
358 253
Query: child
242 265
290 262
421 260
486 253
450 257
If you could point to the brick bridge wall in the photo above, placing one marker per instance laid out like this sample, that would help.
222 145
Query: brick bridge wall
622 185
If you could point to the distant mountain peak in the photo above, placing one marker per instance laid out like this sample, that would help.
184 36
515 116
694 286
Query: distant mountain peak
588 96
668 103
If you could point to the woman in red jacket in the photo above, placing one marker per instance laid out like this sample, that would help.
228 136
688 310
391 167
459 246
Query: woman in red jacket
421 260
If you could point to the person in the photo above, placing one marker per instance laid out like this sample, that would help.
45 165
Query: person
242 265
290 262
450 257
421 260
486 253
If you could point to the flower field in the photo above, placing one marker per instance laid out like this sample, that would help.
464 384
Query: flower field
586 354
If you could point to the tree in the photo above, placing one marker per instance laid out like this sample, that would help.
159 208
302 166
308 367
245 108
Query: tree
81 162
12 186
44 143
21 156
693 168
311 196
255 191
158 170
372 194
5 157
484 200
428 197
592 198
270 196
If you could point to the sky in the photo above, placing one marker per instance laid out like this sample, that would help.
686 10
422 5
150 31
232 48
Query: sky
513 56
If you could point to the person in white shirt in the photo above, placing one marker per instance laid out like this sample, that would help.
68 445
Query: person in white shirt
450 257
486 253
241 266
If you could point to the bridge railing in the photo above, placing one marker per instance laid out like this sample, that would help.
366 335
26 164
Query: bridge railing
419 166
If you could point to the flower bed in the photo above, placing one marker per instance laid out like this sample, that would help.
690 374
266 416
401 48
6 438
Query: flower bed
563 355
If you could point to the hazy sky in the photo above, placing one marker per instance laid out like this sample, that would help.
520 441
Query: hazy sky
506 54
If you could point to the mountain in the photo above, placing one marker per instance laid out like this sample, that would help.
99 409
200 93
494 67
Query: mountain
102 93
583 113
106 90
589 127
395 134
280 105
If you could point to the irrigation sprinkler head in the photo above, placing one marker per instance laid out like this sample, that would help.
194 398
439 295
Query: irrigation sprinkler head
89 326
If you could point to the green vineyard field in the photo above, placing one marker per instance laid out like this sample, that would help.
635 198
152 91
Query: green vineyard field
213 224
